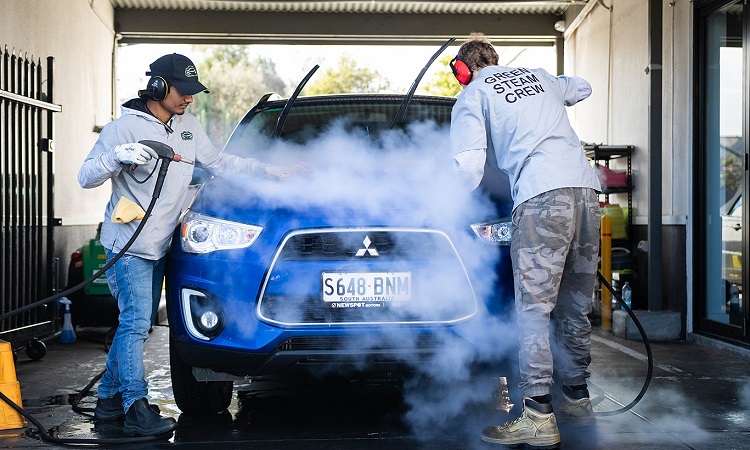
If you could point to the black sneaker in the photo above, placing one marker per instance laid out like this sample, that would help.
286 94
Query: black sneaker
142 420
110 409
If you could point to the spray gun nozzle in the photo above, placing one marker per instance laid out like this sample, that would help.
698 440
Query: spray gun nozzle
165 152
179 158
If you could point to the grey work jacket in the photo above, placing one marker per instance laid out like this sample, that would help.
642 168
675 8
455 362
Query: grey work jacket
521 114
186 138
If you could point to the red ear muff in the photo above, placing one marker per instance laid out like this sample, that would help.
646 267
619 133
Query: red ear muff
461 71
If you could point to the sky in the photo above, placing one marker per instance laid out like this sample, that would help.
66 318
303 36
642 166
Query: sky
400 64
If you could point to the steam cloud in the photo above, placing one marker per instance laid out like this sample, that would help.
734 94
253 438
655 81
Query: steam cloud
406 178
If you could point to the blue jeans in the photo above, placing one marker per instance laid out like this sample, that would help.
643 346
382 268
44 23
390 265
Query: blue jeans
136 284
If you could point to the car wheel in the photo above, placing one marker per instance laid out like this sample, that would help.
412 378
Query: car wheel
196 397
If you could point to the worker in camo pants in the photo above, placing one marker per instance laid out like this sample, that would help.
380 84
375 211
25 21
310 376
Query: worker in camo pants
521 114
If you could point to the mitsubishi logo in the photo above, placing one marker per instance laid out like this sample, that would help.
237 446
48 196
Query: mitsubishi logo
367 249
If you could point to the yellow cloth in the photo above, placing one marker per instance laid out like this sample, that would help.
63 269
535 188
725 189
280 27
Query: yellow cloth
127 210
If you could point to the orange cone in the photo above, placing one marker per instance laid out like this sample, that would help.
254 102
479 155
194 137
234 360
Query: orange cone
9 385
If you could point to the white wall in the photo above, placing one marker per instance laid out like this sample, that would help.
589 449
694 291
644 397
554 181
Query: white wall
610 49
79 35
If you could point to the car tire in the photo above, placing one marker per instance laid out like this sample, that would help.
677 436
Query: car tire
196 397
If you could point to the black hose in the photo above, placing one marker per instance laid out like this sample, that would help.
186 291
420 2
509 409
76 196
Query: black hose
646 342
98 441
72 441
82 393
93 277
155 195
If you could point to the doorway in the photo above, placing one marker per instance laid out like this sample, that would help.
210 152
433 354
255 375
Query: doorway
721 169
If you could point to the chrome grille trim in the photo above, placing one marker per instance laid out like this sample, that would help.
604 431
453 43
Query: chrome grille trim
319 319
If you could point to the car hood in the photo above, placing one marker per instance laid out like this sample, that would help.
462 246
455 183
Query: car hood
337 200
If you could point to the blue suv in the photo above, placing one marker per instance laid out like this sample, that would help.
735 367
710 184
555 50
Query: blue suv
377 260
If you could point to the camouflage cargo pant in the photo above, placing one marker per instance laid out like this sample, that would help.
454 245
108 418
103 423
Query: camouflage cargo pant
554 249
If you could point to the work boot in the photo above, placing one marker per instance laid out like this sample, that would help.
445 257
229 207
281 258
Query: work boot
110 409
142 420
575 408
536 427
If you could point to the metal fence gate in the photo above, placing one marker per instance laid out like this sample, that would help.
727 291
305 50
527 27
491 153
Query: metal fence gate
26 202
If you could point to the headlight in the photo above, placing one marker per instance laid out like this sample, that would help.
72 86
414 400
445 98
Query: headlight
493 232
204 234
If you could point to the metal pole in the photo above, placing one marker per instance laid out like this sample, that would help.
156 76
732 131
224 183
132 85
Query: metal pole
560 54
655 156
50 168
606 269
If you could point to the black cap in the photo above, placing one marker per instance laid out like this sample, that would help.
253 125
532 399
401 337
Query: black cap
180 72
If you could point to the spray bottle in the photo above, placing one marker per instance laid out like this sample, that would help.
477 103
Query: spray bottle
627 294
68 335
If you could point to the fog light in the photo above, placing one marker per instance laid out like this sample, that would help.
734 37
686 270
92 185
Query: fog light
202 313
209 321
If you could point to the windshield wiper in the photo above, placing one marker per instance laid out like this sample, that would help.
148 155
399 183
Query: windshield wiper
401 112
290 102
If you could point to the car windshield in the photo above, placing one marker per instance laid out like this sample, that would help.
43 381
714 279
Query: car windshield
309 118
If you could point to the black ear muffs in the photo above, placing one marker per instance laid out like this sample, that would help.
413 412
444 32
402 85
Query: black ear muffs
157 89
461 71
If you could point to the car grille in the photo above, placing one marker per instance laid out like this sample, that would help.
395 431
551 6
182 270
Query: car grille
324 343
346 245
310 310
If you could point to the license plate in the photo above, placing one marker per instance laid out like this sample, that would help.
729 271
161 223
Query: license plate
366 287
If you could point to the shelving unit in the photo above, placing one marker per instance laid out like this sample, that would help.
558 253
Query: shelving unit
603 154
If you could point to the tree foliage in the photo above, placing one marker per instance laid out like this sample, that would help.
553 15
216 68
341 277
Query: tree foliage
347 77
443 82
236 81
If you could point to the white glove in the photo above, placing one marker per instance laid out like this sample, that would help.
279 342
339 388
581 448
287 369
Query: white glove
134 153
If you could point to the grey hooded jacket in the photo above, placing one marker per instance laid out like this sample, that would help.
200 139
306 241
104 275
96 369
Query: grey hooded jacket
185 135
520 113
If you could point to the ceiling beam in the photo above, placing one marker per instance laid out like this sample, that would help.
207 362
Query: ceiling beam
237 27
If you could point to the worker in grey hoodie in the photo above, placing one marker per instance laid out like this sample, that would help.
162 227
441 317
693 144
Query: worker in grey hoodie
135 280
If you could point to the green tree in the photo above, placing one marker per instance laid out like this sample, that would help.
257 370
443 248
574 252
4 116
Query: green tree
236 81
347 77
443 82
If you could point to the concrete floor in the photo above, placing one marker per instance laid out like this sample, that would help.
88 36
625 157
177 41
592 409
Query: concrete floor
698 398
